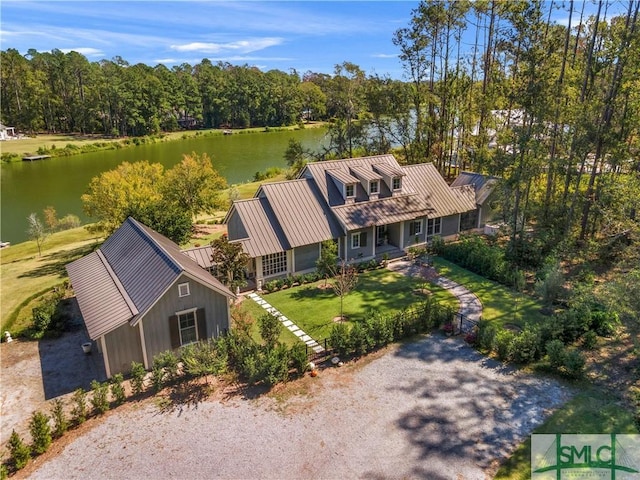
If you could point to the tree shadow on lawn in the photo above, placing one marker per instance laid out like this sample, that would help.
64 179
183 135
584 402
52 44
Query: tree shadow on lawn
54 263
469 411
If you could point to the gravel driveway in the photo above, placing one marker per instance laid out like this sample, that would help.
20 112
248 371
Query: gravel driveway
431 409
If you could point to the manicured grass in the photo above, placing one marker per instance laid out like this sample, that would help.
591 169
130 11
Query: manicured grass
591 411
25 274
499 303
313 308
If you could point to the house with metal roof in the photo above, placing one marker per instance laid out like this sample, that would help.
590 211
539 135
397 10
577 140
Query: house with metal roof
140 295
369 206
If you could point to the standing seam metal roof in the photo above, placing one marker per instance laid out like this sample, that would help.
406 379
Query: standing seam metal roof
128 274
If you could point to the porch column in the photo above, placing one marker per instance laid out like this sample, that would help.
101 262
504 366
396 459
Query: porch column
402 235
375 240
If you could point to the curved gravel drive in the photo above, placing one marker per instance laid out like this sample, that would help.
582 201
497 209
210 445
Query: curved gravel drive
433 409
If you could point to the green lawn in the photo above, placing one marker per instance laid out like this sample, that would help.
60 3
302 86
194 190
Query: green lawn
591 411
499 303
313 308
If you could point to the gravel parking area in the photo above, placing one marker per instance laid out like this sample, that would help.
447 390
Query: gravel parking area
432 409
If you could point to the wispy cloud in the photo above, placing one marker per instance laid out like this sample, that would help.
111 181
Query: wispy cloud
240 46
385 55
86 51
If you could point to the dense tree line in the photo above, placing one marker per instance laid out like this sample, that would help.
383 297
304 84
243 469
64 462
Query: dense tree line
551 109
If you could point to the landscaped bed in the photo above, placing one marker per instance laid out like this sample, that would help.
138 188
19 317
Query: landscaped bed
315 307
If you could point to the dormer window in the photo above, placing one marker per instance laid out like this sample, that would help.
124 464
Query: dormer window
350 191
397 184
374 187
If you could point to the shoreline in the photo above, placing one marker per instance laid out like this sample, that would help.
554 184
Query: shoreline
69 144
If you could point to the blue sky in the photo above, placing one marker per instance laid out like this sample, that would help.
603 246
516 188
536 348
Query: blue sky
268 34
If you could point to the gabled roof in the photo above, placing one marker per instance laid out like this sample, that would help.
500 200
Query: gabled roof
440 199
303 216
285 215
320 172
264 235
201 255
128 274
483 185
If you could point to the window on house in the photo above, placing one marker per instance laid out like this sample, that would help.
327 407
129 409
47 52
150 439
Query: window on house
274 263
415 227
374 187
350 190
355 240
183 290
434 226
187 327
396 183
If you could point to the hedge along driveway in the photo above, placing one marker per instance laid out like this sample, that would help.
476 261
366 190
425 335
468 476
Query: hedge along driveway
500 304
312 307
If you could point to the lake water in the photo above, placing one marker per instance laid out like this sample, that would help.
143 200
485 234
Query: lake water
29 187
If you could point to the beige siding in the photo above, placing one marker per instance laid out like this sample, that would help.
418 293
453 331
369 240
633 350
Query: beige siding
156 322
123 347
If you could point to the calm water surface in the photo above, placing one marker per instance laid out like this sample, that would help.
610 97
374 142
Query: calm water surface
31 186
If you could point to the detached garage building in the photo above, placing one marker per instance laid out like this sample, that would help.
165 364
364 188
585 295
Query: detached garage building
140 295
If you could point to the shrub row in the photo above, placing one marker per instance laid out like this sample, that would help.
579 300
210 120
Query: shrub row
48 320
533 343
377 330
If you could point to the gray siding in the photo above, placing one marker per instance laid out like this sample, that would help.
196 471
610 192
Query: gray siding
363 251
449 225
156 323
123 347
235 228
306 257
411 240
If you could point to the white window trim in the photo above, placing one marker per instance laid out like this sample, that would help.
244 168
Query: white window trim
439 225
180 292
346 194
417 227
377 184
353 240
195 324
393 180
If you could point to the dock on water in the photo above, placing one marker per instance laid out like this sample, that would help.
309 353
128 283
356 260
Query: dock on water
31 158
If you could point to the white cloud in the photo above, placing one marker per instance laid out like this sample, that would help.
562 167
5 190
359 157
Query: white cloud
240 46
86 51
385 55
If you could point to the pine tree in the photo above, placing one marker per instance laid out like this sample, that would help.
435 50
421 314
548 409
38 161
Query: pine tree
20 453
40 432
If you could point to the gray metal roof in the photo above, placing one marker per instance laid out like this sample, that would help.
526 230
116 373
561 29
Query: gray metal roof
303 216
319 171
388 170
264 233
102 302
342 176
380 212
128 274
365 173
440 199
482 184
201 255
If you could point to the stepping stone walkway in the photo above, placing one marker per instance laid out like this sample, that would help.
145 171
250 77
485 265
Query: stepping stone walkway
470 305
288 324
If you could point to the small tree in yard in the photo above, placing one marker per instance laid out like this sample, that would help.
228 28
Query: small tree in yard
269 329
326 263
79 411
117 389
137 378
345 281
40 432
20 453
230 261
37 231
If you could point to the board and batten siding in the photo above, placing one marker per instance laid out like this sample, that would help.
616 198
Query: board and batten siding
123 347
157 334
449 225
235 228
306 257
367 241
